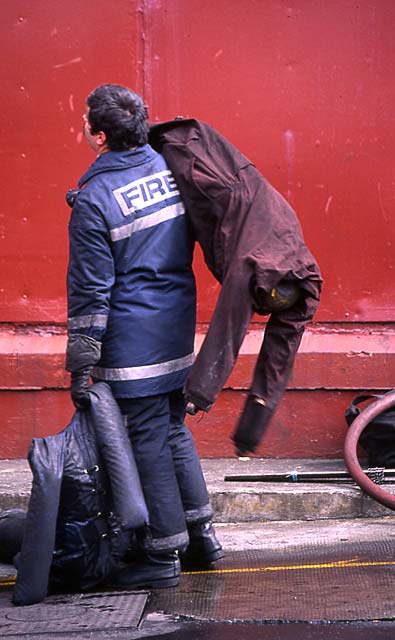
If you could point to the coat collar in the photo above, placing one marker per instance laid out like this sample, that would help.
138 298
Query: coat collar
118 160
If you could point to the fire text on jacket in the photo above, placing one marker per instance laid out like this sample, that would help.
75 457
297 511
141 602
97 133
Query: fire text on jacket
146 192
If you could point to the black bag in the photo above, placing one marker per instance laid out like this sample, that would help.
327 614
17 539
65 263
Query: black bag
378 438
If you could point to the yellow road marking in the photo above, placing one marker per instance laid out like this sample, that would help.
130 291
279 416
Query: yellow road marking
352 562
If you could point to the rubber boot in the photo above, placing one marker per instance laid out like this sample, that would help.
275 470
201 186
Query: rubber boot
151 571
204 547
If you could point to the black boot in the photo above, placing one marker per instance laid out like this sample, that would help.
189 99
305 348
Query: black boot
203 548
152 571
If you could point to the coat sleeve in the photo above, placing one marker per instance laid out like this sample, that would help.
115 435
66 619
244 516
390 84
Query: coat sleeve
222 343
116 449
90 275
46 459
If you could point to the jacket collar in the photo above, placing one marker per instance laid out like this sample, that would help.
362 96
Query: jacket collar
117 160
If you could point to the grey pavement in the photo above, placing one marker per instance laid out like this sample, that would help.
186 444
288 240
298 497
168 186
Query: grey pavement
273 518
281 535
246 501
261 515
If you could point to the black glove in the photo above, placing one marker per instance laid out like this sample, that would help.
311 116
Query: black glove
83 352
79 388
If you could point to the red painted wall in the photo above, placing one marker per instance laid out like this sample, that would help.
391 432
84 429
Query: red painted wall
54 53
304 88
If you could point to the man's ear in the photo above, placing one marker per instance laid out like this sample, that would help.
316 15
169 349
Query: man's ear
101 138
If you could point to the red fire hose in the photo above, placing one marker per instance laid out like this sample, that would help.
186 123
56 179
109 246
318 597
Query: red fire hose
350 450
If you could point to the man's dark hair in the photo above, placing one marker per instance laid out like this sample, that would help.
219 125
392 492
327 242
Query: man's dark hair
121 114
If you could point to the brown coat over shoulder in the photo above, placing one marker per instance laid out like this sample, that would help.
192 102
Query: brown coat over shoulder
251 238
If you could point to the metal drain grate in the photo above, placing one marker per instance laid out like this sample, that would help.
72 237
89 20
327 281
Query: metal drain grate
68 614
315 583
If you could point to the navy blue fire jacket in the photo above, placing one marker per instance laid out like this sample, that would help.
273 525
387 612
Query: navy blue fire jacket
130 282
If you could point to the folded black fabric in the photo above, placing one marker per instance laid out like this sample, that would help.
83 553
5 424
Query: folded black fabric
86 498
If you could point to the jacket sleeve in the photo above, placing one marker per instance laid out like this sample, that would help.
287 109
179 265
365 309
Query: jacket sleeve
90 275
222 343
46 459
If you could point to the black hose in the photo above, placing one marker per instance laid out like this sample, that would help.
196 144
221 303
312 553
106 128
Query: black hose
350 450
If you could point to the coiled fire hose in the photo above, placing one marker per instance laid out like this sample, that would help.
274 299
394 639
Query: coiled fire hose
350 450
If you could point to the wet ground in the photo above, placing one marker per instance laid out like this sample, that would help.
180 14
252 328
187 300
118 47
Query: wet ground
314 583
218 631
341 591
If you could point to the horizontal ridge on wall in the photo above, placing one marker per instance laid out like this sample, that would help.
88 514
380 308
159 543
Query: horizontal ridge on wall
330 357
334 364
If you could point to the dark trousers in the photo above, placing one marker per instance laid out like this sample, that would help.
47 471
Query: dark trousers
169 467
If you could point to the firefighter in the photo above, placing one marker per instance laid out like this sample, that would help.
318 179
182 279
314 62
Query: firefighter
131 308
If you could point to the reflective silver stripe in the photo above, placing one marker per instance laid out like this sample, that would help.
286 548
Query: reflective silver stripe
201 514
151 220
168 543
147 371
93 320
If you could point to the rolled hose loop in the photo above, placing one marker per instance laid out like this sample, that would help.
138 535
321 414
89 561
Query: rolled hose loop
350 450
